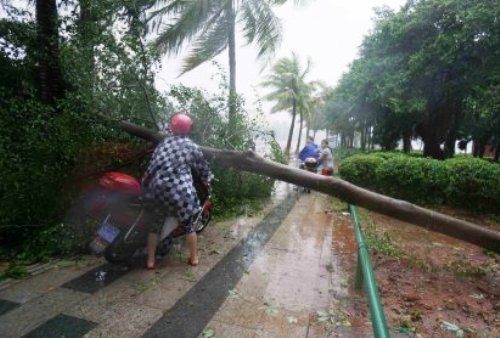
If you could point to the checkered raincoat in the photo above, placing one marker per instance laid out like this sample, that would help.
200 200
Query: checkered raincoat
168 183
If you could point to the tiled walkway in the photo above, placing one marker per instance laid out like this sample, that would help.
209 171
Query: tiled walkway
264 276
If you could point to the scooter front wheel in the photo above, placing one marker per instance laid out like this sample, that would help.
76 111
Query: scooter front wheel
203 220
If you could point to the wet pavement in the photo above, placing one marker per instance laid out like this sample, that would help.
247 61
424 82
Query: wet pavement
271 275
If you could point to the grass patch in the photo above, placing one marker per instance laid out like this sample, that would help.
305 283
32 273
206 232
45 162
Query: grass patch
381 241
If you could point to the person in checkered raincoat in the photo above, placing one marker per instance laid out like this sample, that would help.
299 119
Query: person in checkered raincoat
168 184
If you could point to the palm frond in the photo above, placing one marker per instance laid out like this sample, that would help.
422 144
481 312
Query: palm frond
166 8
261 25
192 18
210 43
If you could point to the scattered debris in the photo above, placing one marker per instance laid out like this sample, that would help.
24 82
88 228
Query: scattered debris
459 333
270 309
233 293
208 333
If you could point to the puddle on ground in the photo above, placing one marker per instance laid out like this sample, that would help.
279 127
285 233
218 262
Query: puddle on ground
297 270
97 278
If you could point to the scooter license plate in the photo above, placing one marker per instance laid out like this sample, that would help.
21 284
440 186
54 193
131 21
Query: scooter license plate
108 232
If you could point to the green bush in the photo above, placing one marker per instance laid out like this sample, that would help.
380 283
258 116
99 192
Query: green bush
413 179
361 170
341 153
37 155
463 181
474 183
386 155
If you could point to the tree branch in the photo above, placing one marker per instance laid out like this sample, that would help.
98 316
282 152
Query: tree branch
402 210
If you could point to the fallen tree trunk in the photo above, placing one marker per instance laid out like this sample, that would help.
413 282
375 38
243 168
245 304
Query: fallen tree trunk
402 210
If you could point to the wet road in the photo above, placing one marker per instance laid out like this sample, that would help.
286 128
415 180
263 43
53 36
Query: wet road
264 276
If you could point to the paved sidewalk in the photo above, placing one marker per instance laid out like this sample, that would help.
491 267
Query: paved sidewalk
292 279
263 276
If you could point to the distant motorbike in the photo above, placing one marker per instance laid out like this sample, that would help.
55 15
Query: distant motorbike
123 224
310 164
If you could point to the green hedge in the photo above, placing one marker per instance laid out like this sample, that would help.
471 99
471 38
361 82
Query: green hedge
361 170
415 179
474 181
463 181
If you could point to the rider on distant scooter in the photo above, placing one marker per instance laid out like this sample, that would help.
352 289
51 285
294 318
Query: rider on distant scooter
168 183
308 153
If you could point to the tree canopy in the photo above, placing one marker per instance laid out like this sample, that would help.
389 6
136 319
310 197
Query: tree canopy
426 71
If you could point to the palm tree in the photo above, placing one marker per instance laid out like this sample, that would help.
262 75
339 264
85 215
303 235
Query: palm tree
320 92
290 89
211 25
310 101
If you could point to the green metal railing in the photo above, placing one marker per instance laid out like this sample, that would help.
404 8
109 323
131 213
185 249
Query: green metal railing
364 272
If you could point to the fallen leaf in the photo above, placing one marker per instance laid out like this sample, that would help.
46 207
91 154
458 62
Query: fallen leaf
233 293
346 323
322 313
459 333
270 309
208 333
64 264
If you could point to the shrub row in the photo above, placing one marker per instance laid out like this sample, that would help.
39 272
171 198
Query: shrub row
462 181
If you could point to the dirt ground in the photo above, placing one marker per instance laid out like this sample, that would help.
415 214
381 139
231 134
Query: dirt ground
431 285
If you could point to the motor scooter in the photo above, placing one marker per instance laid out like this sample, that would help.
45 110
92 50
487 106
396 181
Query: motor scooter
310 164
123 220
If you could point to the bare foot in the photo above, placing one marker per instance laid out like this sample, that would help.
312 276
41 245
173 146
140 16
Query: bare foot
151 265
193 261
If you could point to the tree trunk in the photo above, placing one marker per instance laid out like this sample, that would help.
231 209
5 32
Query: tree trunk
49 74
363 140
497 153
290 133
474 147
481 148
232 65
300 133
432 140
449 146
402 210
87 31
406 141
455 113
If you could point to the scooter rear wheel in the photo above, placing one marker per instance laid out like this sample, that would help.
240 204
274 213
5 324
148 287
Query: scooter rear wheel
120 252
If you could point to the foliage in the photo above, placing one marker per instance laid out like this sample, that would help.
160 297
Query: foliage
41 141
209 23
15 271
474 181
381 242
37 157
361 170
414 179
463 181
425 71
341 153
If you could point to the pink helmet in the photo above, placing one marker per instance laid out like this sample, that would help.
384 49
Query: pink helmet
181 123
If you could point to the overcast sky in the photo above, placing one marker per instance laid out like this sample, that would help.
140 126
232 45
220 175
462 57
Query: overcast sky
327 31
